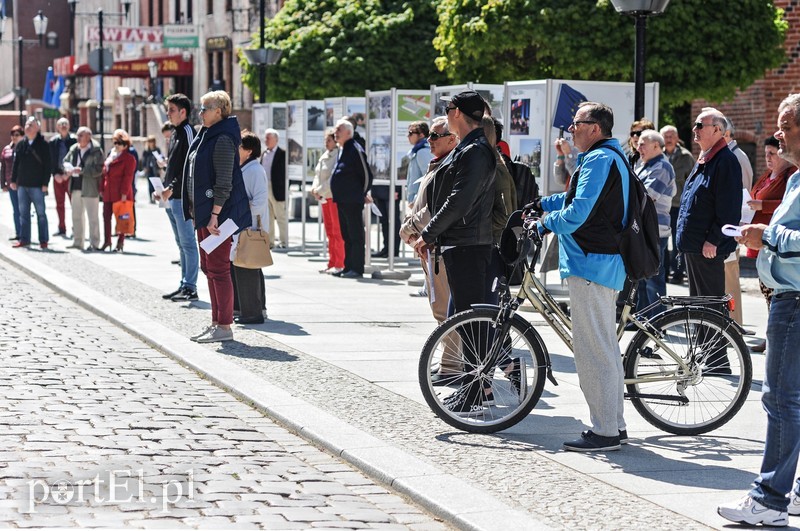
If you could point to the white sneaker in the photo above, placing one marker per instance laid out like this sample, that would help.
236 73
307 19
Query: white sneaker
217 334
201 334
794 503
749 511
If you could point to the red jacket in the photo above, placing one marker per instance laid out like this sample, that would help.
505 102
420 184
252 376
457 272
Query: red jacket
118 178
770 193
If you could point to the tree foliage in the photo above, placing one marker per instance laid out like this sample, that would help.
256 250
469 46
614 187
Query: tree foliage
344 47
696 49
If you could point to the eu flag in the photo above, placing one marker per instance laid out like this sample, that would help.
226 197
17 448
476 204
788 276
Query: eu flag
567 106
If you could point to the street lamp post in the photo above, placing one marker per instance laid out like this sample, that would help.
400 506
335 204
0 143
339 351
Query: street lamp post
640 10
40 26
262 57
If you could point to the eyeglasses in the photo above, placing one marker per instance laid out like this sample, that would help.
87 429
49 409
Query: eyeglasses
413 133
448 109
576 123
119 143
203 109
16 134
700 125
635 133
437 136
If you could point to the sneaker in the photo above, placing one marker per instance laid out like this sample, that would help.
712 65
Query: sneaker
462 404
623 436
185 294
201 334
794 503
439 379
19 243
515 375
215 335
590 442
749 511
168 296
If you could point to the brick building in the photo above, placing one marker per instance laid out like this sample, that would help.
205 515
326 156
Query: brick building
754 111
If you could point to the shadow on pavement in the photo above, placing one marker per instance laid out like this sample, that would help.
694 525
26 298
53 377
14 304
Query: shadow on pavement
241 350
279 327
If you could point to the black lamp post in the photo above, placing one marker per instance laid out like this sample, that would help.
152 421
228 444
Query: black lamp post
40 26
73 4
640 10
262 57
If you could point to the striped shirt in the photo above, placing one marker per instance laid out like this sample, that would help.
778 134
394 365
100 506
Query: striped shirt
659 180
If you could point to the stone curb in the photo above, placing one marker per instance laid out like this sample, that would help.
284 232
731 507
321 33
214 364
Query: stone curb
443 495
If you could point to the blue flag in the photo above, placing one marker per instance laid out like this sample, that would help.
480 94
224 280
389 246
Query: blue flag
48 85
567 106
58 89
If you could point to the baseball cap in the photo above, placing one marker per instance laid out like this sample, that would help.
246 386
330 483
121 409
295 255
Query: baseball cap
469 102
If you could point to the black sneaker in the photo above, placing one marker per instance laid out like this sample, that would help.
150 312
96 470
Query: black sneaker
590 442
168 296
186 294
623 436
463 404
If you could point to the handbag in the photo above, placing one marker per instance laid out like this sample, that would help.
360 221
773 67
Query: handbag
123 214
252 251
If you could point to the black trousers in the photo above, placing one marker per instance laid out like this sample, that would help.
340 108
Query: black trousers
706 275
249 296
383 206
351 221
467 267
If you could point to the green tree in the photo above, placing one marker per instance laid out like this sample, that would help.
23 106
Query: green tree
696 49
344 47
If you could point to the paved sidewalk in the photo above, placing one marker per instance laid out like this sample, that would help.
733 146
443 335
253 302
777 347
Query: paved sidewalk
349 349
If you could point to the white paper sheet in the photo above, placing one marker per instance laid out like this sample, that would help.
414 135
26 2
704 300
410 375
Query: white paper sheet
431 272
731 230
375 209
747 212
226 230
158 186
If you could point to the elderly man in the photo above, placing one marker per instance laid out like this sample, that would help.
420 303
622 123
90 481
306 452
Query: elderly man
682 162
274 162
30 176
59 146
460 198
86 162
658 177
589 258
712 197
773 497
350 181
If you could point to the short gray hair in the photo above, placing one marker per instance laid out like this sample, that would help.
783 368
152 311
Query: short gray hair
346 124
83 129
717 118
791 102
668 129
62 121
271 131
650 135
440 121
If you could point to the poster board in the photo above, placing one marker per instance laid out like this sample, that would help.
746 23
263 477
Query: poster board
305 128
276 119
411 106
493 94
261 119
336 108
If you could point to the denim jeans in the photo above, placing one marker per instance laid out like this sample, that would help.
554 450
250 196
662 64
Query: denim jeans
781 400
187 244
14 196
35 195
654 287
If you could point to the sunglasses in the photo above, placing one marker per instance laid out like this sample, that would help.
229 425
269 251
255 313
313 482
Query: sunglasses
700 125
203 109
448 109
576 123
16 134
413 133
437 136
635 133
118 143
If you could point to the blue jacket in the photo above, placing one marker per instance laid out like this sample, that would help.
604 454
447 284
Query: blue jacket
712 197
348 182
779 260
237 206
596 165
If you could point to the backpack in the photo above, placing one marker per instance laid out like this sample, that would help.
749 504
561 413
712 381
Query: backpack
639 242
524 182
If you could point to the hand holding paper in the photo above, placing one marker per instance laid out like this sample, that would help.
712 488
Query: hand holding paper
226 230
731 230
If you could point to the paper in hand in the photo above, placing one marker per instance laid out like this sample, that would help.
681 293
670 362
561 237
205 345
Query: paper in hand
747 212
213 241
375 210
731 230
158 186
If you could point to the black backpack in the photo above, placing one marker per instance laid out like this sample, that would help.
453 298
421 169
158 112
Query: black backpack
639 242
524 182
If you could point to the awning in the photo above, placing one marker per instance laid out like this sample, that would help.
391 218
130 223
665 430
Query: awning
168 66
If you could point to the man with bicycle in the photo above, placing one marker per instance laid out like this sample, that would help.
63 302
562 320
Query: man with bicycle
589 258
774 497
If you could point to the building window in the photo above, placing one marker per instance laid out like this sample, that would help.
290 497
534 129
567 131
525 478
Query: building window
209 7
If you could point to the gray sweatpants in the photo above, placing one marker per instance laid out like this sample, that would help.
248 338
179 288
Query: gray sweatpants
597 355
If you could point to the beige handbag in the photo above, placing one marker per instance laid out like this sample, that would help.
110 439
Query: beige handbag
252 251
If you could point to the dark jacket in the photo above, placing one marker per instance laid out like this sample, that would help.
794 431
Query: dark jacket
712 197
348 182
505 200
179 143
149 164
236 206
32 164
461 194
277 175
54 144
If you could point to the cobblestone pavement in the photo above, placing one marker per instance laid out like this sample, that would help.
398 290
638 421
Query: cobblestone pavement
513 469
99 430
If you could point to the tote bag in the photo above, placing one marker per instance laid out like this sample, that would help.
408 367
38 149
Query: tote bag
252 251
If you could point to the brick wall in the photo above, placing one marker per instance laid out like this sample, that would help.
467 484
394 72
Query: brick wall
754 111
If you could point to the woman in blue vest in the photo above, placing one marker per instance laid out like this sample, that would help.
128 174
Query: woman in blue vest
213 192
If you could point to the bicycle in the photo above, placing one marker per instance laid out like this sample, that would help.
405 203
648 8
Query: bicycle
687 369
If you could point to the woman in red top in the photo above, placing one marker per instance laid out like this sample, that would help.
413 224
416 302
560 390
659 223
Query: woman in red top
768 192
118 173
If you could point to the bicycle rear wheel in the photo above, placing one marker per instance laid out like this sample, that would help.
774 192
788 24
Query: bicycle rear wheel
469 396
713 389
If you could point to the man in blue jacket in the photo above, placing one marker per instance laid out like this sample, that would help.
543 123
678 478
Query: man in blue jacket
350 180
776 492
589 258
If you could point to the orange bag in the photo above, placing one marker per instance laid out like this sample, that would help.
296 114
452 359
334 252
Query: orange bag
123 214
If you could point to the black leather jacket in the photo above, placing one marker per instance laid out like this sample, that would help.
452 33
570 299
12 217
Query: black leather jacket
461 195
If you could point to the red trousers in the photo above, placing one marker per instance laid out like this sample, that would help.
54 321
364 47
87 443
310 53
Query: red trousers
61 191
330 218
217 269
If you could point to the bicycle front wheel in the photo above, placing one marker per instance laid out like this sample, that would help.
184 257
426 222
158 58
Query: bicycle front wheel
477 381
698 399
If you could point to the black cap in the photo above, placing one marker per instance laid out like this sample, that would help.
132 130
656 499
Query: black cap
469 102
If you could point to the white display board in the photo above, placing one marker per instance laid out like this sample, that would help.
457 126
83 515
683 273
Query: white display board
493 94
260 121
277 119
537 110
336 108
305 130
